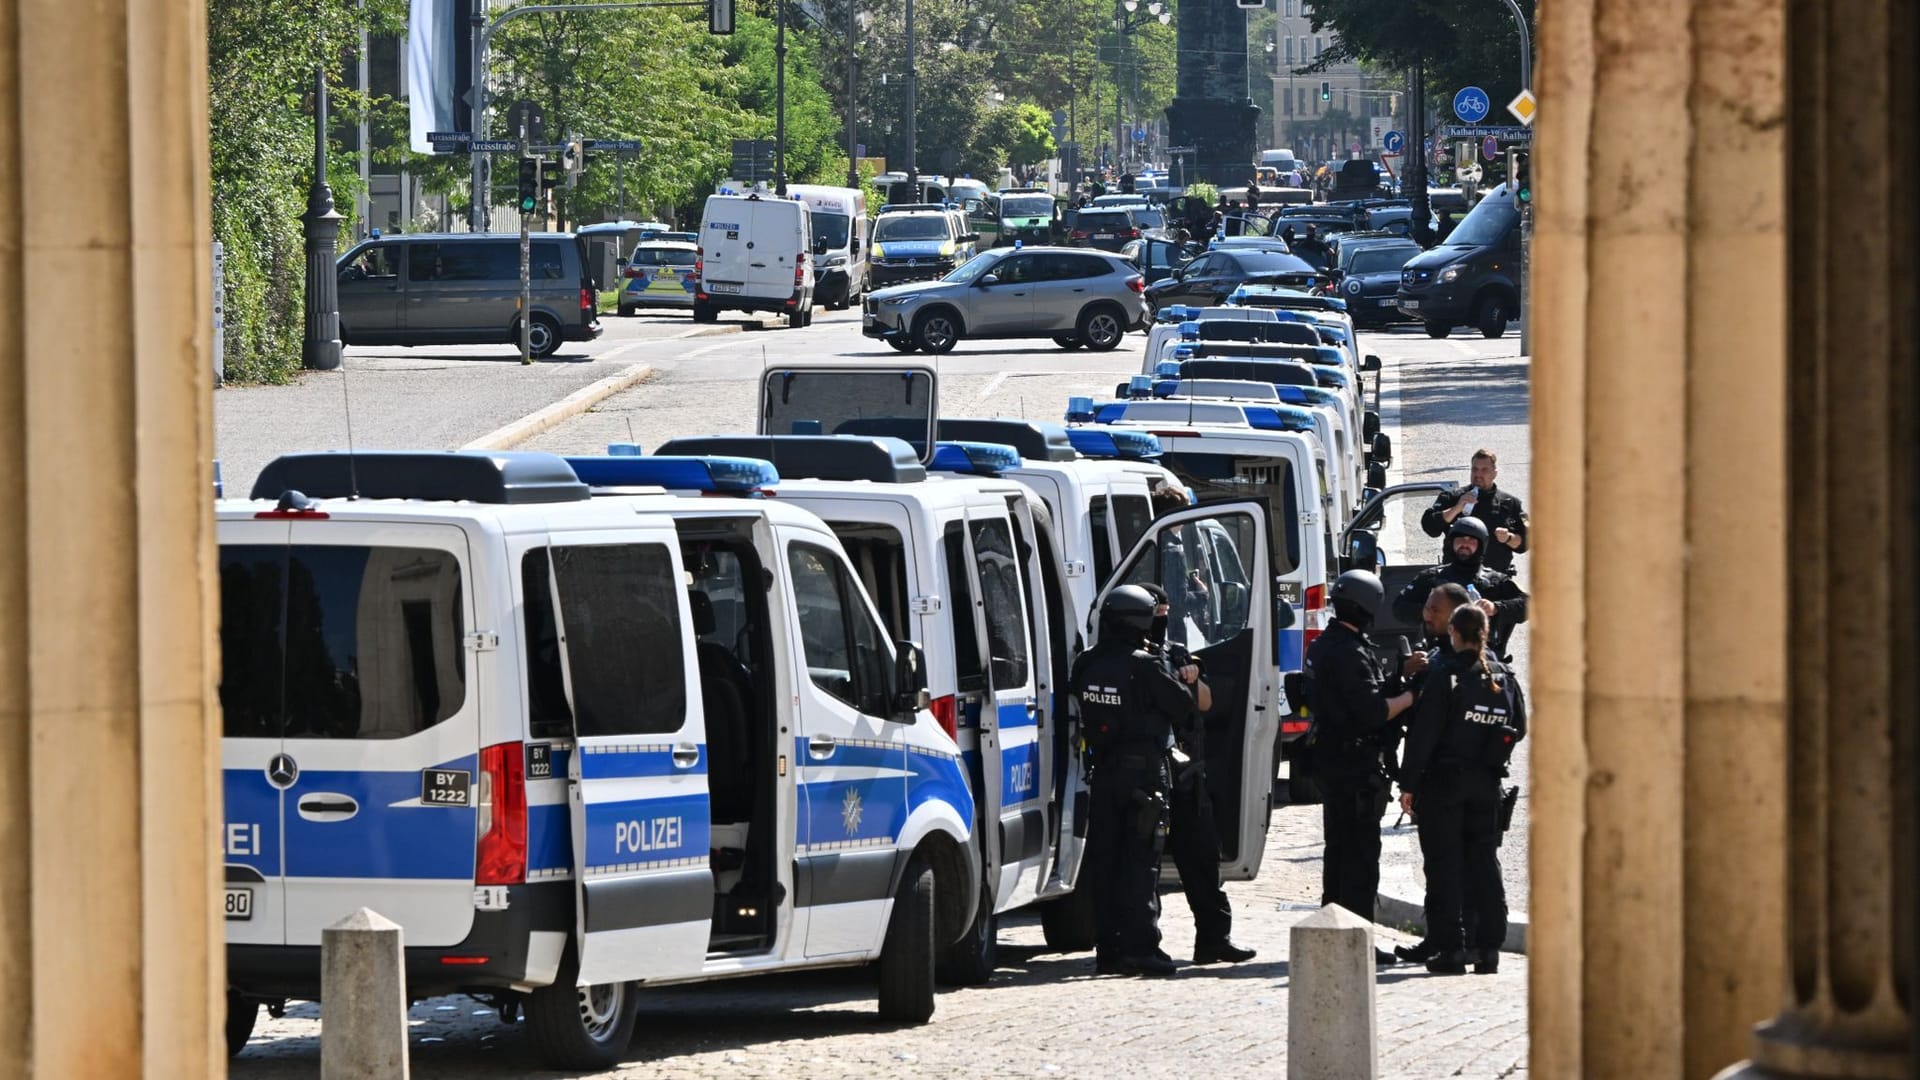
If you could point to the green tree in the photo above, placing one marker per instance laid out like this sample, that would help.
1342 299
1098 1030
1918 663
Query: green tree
1459 42
1023 133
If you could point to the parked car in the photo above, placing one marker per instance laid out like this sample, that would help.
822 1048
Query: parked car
464 289
1074 296
659 274
1368 278
1208 280
1106 229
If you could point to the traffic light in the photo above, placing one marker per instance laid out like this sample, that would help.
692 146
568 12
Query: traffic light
1326 91
574 157
1519 176
719 16
529 184
549 174
1252 3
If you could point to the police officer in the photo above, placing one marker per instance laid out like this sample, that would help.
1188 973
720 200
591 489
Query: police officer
1499 595
1353 700
1128 705
1458 743
1505 518
1192 835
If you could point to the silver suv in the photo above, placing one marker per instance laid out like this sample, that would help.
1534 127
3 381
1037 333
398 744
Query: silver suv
1075 296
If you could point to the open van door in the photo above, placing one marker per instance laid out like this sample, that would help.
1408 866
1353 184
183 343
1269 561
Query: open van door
637 780
1217 565
1386 538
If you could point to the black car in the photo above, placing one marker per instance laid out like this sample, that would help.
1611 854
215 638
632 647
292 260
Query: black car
1156 256
1108 230
1208 280
1368 278
1471 278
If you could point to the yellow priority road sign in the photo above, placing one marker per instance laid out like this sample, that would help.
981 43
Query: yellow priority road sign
1524 107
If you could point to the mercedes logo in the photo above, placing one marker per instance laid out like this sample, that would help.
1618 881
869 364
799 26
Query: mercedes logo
282 772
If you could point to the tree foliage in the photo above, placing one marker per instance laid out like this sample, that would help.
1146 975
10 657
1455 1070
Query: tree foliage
1459 42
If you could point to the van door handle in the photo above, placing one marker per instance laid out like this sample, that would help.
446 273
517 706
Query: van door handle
821 746
1082 289
323 808
686 756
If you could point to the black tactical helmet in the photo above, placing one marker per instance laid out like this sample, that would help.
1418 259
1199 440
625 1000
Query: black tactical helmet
1362 589
1128 609
1469 526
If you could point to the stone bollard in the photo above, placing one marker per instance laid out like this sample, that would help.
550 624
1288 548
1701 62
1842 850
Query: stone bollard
1331 1030
363 999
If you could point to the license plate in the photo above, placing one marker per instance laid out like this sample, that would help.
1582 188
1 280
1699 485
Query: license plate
723 286
1387 302
1410 305
866 319
239 904
1103 236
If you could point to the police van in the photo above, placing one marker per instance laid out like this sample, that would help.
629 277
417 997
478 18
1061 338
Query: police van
1327 414
574 746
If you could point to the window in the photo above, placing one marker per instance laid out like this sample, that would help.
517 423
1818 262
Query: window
1225 476
846 656
1102 542
966 640
339 641
464 261
621 638
548 714
1319 46
373 261
1286 102
1201 565
1289 48
1132 513
661 257
1289 10
1019 269
1004 603
544 263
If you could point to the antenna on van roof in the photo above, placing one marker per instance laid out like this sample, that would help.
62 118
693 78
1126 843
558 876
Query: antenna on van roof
353 472
631 437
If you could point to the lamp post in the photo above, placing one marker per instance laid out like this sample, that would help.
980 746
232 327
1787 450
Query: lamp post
320 349
1156 12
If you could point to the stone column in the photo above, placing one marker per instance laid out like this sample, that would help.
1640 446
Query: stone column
1848 994
110 945
1659 570
1211 110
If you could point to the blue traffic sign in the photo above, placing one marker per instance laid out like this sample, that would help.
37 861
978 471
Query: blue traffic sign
1394 142
613 144
494 146
1139 134
1472 104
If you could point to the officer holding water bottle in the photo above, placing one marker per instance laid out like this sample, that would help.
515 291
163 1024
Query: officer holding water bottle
1481 498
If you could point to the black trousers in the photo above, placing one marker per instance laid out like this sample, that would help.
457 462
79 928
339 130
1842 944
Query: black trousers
1350 868
1194 841
1459 812
1122 865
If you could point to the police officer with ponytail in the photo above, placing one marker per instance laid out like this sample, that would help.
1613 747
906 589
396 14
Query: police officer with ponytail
1463 730
1353 699
1128 703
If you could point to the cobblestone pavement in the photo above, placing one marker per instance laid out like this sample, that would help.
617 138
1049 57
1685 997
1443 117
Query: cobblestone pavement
1044 1014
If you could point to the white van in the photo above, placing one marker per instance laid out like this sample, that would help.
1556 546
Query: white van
754 256
572 745
841 231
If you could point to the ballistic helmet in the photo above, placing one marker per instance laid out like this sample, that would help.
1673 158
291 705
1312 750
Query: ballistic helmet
1129 610
1359 589
1468 526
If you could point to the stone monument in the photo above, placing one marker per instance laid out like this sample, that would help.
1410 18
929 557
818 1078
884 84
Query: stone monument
1211 109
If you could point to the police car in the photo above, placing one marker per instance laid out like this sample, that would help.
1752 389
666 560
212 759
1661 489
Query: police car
574 746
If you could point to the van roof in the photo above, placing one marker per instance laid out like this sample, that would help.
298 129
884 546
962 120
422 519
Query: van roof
442 237
500 477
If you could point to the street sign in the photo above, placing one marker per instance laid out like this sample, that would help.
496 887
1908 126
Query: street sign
1509 133
1524 108
1489 148
1472 104
613 144
1394 142
753 159
462 137
494 146
1139 134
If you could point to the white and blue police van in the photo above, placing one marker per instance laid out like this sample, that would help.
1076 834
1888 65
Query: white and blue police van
574 746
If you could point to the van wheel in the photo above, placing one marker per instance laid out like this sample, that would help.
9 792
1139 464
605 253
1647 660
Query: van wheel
1438 329
543 337
241 1013
1067 923
705 313
936 331
1067 342
971 960
796 319
1492 317
1102 328
581 1027
901 344
905 970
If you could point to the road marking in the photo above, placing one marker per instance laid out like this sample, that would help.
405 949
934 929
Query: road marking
992 384
698 331
513 434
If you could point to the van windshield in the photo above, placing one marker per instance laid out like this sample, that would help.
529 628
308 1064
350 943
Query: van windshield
829 230
911 227
1026 206
1486 226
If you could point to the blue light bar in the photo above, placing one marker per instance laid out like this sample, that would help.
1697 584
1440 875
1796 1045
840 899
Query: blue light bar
726 475
1140 386
1189 331
1115 443
1183 352
623 449
1284 418
1305 395
979 458
1167 369
1079 410
1167 387
1110 413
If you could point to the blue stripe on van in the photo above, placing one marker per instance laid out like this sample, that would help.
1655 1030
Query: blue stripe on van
1019 773
422 842
1289 649
638 831
1017 715
252 836
877 807
652 759
549 837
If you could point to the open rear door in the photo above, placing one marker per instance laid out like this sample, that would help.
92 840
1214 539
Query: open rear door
1386 537
637 789
1215 561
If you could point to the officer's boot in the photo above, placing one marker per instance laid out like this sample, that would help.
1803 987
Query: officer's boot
1418 953
1486 962
1450 962
1220 950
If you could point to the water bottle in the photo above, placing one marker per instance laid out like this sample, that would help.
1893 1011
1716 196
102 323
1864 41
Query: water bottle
1473 595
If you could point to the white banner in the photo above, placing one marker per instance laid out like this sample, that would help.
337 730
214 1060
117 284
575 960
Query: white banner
430 61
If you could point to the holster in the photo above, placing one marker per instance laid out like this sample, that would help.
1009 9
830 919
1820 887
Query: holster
1509 798
1150 818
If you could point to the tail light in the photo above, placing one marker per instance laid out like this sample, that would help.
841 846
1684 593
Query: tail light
586 299
1137 284
1133 234
500 856
946 711
1316 608
1078 234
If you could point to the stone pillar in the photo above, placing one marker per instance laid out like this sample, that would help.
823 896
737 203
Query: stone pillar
110 945
1211 109
1659 571
1848 994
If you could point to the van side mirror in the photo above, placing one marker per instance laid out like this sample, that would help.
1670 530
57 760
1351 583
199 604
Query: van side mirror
1377 475
1382 450
1283 617
1369 425
909 682
1363 551
1371 363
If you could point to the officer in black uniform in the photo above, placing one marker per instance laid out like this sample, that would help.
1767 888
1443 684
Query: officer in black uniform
1458 743
1192 835
1501 597
1353 700
1128 705
1480 497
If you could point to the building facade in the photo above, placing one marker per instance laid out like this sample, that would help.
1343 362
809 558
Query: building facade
1300 120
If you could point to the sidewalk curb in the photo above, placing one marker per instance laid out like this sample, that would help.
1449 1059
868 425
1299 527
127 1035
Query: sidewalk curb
1390 909
519 431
